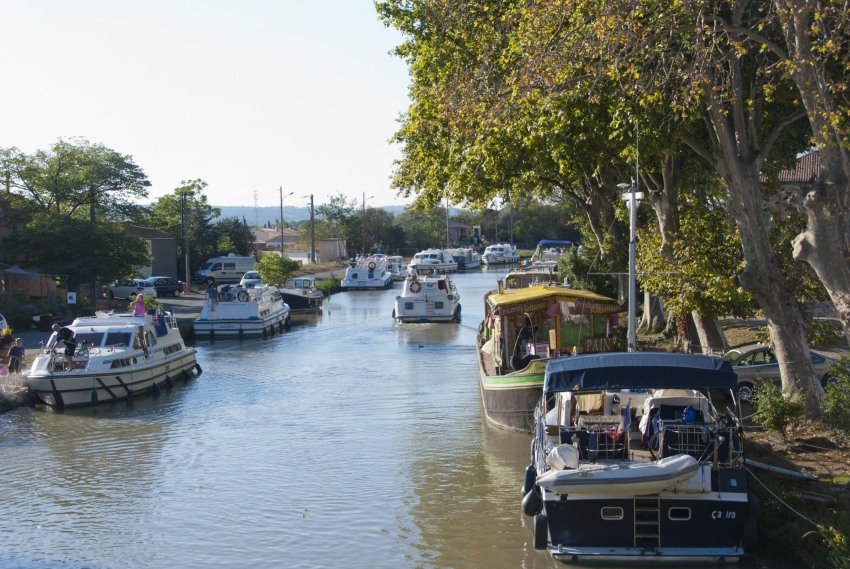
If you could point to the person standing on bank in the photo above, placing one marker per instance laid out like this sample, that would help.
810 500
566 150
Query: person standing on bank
66 336
16 356
138 305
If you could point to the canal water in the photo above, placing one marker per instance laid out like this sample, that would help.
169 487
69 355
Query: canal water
349 441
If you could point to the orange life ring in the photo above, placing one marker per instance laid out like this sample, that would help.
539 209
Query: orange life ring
415 287
372 265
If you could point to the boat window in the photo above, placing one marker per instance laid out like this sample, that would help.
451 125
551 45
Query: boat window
679 514
438 305
408 305
118 339
90 338
611 513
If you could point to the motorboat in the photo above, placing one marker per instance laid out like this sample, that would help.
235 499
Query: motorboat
672 488
522 277
522 329
466 258
302 295
431 260
367 273
499 254
118 356
548 252
396 267
428 298
242 312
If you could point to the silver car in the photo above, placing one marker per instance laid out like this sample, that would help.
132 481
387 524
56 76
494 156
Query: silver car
250 279
129 288
758 361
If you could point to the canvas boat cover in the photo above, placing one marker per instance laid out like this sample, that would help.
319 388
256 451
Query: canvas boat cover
637 370
542 296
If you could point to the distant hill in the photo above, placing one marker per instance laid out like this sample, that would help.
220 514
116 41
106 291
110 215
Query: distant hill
260 216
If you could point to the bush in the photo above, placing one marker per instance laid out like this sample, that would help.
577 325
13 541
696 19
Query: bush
824 333
774 410
836 401
14 308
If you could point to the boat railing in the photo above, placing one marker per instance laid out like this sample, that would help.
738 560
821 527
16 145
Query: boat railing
717 443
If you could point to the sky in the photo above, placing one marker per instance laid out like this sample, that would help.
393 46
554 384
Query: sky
252 96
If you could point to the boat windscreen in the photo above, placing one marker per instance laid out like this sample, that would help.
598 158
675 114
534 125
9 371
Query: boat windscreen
118 339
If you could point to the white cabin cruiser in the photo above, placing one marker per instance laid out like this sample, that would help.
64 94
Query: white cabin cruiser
433 260
427 298
241 312
118 357
396 267
367 273
466 258
499 254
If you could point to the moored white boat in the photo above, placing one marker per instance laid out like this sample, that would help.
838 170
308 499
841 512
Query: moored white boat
396 267
367 273
237 312
466 258
431 260
499 254
302 295
119 356
428 298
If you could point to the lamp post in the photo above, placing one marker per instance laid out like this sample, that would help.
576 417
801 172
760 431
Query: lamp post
281 218
312 231
363 249
632 197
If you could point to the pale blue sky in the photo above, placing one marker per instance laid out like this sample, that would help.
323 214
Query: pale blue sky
248 96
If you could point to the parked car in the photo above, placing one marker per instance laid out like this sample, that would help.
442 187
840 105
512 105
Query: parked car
250 279
758 361
129 288
165 286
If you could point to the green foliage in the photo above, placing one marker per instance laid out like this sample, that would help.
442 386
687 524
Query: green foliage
824 333
576 267
275 270
774 410
12 308
836 401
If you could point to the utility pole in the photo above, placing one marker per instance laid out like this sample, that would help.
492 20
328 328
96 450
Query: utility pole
281 218
185 236
632 197
312 232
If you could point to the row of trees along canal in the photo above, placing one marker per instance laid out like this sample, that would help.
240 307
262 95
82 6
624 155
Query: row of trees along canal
542 101
68 205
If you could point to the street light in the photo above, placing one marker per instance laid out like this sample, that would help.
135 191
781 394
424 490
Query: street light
631 197
312 231
363 249
281 218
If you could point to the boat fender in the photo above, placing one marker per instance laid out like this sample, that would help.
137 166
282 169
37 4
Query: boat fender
530 477
532 503
415 287
457 313
198 369
541 532
169 383
393 313
94 395
287 324
129 396
156 389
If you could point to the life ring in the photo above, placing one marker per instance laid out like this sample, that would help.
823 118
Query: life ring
372 265
415 287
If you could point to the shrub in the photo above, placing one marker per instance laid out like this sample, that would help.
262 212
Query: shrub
836 401
774 410
824 332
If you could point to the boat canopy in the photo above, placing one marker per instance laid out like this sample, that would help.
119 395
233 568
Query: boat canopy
554 243
637 370
540 297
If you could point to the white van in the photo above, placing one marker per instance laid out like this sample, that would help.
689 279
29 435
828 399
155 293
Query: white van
222 270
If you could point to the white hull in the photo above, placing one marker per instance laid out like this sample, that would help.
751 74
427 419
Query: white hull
367 273
123 356
433 261
263 313
499 254
428 299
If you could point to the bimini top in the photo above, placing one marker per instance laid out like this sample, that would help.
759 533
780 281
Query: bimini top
554 243
637 370
542 296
